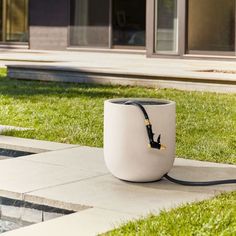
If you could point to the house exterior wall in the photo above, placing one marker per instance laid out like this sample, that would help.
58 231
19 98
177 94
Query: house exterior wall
48 24
50 27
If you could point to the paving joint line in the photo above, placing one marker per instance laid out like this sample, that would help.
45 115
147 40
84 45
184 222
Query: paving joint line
65 183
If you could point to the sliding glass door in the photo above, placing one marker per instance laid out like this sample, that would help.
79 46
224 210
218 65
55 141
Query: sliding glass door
211 26
89 23
129 23
166 27
108 23
14 20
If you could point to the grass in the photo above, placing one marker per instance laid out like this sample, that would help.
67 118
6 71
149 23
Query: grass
73 113
212 217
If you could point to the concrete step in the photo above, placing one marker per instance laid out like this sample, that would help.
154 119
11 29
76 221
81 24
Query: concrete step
213 81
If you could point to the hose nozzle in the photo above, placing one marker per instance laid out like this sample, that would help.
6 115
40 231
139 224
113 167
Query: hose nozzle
157 144
152 143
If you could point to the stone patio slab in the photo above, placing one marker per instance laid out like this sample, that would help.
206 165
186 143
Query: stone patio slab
109 193
83 158
18 176
135 69
31 145
76 178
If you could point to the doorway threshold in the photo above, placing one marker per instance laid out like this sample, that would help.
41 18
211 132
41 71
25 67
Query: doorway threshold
108 50
209 57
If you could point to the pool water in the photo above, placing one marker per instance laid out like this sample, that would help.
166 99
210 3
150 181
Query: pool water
7 226
13 153
16 214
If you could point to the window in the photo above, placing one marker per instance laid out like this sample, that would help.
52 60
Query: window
14 20
211 25
89 23
166 29
129 23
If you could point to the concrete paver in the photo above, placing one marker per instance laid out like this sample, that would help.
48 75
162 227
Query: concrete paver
17 177
168 72
82 158
76 178
31 145
109 193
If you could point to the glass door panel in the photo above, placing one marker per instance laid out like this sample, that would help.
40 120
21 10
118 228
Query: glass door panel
89 23
14 20
129 23
211 25
166 26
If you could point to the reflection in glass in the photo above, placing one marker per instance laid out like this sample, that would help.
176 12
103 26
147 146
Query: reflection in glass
14 20
166 26
89 23
129 22
211 25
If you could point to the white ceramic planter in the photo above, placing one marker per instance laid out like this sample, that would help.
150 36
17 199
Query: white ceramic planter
126 150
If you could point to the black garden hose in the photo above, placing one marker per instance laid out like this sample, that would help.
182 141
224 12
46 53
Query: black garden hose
204 183
158 145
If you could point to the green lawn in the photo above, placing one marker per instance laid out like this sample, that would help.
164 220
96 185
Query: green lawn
215 217
73 113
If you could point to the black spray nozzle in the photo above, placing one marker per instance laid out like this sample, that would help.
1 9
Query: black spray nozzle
152 143
157 144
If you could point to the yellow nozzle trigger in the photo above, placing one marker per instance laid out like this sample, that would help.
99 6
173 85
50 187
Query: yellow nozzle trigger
163 147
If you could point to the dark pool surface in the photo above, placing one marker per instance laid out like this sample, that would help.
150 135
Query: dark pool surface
23 213
13 153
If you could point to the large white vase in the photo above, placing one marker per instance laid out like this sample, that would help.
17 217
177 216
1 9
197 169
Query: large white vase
126 150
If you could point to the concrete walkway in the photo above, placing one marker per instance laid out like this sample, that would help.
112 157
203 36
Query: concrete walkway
75 178
120 68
